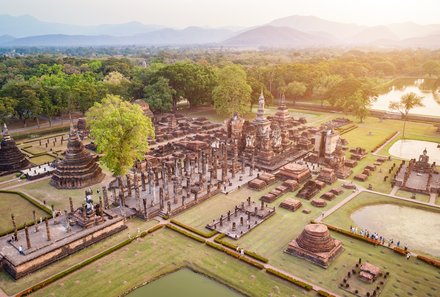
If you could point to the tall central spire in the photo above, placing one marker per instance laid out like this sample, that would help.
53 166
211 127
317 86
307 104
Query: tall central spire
260 112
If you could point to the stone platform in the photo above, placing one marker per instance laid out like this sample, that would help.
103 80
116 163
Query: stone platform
62 243
242 219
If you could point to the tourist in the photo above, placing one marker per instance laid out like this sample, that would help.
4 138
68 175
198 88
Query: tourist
408 256
20 250
242 252
398 243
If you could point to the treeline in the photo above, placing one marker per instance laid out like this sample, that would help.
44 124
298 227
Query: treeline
49 85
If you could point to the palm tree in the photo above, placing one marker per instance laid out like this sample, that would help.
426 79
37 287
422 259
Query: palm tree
406 103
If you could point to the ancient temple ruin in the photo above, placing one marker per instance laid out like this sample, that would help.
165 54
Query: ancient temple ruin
418 175
79 168
316 245
11 158
49 240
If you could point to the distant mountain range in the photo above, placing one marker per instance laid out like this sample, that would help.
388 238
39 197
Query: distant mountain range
289 32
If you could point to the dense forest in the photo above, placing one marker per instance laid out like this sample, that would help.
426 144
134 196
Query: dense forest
34 85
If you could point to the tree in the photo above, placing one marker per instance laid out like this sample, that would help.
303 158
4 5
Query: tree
432 67
159 95
324 84
295 89
117 84
121 132
358 104
7 106
406 103
232 93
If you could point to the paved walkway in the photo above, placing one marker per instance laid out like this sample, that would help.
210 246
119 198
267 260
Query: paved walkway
394 190
26 183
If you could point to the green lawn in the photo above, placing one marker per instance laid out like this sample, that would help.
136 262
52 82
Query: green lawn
20 207
419 197
164 251
43 159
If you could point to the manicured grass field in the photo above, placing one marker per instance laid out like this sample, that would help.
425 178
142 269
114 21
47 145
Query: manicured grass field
20 207
159 253
43 159
419 197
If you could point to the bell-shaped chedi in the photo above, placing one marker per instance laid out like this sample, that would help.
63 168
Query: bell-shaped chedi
79 168
315 244
11 158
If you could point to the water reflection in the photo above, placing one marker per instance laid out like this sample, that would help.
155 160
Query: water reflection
417 228
429 89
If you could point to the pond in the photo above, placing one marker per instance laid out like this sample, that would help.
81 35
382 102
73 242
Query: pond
417 228
184 282
412 149
427 88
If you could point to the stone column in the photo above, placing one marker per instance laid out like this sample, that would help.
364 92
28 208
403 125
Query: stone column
28 240
14 225
101 206
145 208
71 205
143 181
47 228
34 214
128 185
243 164
105 195
137 193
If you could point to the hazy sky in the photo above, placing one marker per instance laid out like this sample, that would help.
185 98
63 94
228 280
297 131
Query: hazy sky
181 13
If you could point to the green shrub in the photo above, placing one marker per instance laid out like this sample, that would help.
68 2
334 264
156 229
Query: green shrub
256 256
251 262
183 232
289 279
325 294
428 260
194 230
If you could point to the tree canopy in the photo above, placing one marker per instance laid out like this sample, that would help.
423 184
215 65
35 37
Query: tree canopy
121 132
232 93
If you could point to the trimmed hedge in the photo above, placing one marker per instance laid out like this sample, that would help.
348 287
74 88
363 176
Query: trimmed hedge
325 294
251 254
235 255
194 230
342 130
183 232
357 236
289 279
151 230
383 142
400 251
428 260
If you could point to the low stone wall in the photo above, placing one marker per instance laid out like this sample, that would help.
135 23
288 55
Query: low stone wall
61 250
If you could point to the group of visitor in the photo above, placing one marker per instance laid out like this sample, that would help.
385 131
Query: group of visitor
375 236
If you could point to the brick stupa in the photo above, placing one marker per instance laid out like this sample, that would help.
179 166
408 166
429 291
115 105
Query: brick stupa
11 158
79 168
316 245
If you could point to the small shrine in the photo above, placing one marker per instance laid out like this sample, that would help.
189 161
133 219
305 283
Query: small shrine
79 168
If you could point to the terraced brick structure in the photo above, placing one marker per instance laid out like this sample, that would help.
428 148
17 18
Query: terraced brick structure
79 168
316 245
11 158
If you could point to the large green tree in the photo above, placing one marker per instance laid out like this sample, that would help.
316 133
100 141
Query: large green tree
7 106
406 103
121 132
159 95
295 89
232 93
